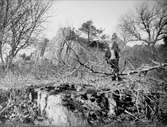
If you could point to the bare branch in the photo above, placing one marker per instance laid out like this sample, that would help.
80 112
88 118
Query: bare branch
148 24
145 70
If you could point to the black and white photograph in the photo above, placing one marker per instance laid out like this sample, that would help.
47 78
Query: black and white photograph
83 63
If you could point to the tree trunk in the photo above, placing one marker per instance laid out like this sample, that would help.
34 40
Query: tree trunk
88 36
1 55
9 61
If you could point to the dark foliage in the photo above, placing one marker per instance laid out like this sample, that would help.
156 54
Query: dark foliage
18 106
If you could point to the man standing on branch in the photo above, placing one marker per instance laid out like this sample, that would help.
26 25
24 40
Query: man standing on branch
112 56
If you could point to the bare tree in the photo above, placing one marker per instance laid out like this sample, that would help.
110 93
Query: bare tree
148 24
20 21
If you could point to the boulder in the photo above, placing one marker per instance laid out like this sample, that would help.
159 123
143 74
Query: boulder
59 115
51 107
112 105
41 101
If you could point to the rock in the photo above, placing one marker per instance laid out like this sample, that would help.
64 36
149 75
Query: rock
41 101
52 108
112 105
59 115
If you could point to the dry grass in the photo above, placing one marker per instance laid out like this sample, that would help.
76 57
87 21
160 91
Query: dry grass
11 80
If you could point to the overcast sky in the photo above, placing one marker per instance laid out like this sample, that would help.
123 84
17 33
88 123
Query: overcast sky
104 13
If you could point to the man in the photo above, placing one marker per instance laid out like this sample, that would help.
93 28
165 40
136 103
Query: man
112 56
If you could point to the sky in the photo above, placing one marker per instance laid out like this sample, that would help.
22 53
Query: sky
105 14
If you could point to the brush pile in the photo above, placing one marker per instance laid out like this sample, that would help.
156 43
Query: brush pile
16 105
82 103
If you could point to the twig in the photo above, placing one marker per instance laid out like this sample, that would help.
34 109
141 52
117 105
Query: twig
6 107
130 114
